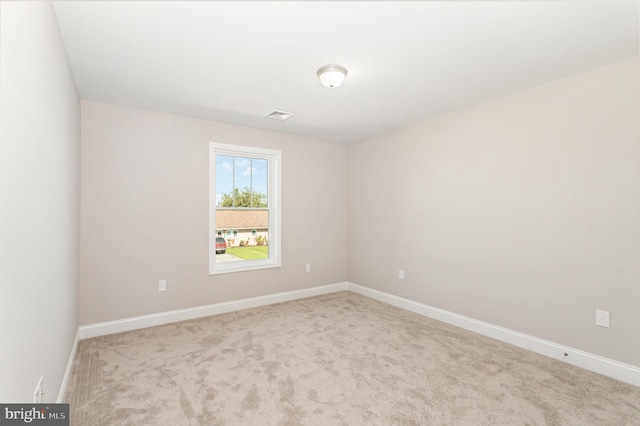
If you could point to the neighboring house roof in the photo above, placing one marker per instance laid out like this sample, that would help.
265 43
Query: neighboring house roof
242 219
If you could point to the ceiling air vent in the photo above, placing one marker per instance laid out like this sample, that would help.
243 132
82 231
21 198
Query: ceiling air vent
280 115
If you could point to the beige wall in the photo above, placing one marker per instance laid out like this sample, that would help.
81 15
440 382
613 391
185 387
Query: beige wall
523 212
40 202
144 209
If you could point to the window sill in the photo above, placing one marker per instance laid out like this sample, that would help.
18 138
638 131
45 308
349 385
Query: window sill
246 265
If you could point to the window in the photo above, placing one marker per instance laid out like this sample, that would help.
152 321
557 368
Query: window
244 207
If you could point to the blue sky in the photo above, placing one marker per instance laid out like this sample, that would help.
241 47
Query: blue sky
247 173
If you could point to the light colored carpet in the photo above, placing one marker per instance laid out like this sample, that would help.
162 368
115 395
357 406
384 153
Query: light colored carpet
337 359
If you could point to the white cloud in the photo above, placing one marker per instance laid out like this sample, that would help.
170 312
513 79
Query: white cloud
249 171
241 162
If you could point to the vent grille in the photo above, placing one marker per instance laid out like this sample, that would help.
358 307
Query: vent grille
280 115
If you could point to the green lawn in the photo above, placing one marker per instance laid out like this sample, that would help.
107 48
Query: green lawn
250 253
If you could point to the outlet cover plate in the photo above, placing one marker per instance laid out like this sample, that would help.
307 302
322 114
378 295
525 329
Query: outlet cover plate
602 318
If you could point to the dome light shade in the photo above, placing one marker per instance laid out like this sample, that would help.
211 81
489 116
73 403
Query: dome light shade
332 75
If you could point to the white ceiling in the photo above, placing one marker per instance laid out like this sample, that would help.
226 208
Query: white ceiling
237 61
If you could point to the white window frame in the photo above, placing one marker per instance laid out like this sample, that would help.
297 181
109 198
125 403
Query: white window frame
273 158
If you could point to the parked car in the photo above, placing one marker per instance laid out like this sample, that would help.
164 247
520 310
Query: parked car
221 245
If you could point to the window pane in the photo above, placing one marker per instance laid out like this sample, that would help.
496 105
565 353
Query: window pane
259 182
242 171
250 241
241 182
224 180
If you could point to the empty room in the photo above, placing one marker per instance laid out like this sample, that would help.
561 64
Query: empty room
320 212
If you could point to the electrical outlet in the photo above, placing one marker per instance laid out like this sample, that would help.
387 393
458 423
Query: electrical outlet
401 274
602 318
308 267
162 285
37 394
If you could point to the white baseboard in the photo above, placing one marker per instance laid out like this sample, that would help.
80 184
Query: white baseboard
607 367
135 323
67 373
611 368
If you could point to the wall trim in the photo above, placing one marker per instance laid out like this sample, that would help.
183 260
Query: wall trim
597 364
67 373
144 321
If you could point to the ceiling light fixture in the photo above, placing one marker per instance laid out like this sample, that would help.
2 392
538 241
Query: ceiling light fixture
332 75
